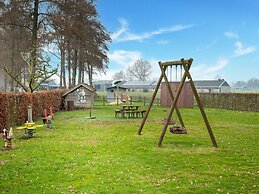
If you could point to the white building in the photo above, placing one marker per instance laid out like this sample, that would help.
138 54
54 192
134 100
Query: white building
213 86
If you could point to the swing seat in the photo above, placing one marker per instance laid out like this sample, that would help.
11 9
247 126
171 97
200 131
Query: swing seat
171 122
178 130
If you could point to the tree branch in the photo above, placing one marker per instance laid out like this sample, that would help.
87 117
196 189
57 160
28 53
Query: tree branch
16 80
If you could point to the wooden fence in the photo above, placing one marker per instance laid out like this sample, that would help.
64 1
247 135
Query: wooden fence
132 99
231 101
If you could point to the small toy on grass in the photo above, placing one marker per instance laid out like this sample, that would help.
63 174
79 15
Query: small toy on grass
29 126
7 137
48 119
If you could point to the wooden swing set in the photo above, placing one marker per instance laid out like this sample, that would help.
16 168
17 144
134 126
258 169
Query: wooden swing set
186 64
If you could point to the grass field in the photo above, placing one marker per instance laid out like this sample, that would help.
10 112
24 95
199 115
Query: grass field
105 155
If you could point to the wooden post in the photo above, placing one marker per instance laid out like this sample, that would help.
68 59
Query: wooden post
200 105
150 105
144 101
103 100
30 114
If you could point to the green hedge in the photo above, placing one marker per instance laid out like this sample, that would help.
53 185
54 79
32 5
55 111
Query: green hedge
13 106
231 101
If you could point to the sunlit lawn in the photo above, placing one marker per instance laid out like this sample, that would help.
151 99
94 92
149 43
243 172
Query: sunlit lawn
105 155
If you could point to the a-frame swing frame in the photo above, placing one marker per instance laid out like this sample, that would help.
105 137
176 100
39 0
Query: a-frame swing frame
186 65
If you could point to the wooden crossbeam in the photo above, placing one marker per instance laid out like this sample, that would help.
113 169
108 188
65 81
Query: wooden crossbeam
171 63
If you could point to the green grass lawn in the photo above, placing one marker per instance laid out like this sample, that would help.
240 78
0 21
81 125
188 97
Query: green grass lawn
105 155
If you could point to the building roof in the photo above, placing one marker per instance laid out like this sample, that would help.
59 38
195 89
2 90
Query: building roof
51 82
115 87
210 83
102 82
138 83
86 86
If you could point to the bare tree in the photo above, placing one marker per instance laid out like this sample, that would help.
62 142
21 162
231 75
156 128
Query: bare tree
119 76
140 70
34 76
84 36
14 38
72 25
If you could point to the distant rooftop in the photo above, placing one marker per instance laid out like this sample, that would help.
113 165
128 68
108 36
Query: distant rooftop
139 83
211 83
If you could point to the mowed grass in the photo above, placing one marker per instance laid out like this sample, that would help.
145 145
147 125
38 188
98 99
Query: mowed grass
105 155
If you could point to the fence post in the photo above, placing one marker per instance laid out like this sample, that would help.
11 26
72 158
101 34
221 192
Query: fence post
131 100
144 100
103 101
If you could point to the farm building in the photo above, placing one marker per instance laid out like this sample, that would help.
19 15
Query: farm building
113 91
49 85
81 96
213 86
102 85
186 98
140 85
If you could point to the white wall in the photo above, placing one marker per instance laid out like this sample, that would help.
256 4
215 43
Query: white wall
225 89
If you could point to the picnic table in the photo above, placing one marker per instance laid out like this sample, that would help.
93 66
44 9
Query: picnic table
129 111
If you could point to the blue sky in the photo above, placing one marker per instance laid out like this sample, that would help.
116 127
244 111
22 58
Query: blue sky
222 36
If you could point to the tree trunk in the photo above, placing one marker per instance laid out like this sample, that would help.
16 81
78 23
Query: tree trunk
69 64
34 41
80 67
12 58
74 68
90 74
62 68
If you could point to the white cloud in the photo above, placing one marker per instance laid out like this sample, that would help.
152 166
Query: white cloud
231 35
123 35
242 50
218 66
123 28
123 57
208 72
208 46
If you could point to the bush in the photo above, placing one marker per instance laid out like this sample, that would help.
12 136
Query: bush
13 106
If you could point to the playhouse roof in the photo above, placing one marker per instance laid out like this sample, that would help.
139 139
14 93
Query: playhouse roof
86 86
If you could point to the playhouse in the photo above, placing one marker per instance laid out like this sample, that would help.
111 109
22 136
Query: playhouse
79 97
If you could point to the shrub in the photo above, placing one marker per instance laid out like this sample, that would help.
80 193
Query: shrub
13 106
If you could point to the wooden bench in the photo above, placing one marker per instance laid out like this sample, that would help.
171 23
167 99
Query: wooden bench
117 112
129 113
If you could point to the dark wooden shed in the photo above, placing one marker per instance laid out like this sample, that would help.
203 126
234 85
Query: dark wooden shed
186 98
79 97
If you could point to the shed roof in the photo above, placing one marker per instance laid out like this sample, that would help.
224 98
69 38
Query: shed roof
115 87
211 83
86 86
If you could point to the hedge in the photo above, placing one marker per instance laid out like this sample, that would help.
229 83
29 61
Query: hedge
13 106
231 101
